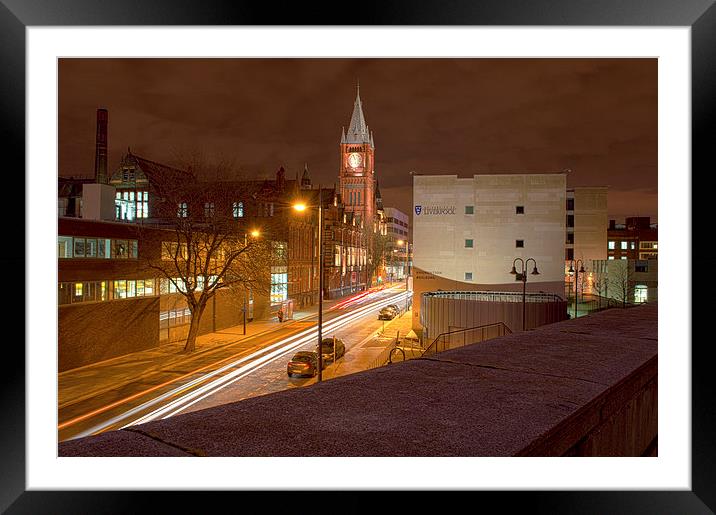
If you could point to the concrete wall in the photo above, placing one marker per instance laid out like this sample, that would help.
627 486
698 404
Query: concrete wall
85 334
440 314
590 224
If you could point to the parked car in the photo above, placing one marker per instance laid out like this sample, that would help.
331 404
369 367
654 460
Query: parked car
303 364
327 349
395 307
387 313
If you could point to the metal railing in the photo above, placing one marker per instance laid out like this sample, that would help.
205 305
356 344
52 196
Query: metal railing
495 296
463 337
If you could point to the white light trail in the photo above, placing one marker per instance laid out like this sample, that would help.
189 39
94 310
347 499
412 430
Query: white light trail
257 360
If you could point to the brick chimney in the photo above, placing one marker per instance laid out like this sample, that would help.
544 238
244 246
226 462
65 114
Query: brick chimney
100 155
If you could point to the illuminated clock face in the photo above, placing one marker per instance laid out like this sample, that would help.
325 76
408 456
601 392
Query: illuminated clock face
354 160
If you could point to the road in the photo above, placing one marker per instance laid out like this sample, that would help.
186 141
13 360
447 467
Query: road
258 368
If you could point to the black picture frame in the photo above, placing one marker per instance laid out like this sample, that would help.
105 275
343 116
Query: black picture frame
16 15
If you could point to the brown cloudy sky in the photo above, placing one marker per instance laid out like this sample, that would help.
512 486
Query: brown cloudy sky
597 117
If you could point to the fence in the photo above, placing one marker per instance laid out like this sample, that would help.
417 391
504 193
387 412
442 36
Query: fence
462 337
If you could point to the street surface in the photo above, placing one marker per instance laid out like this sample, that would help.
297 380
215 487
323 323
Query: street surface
256 367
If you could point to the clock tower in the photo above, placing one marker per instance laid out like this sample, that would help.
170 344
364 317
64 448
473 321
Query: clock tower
357 172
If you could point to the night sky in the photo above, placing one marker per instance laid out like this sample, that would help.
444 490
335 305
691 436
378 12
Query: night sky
596 117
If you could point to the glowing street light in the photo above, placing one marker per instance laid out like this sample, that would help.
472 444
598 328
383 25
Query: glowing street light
301 207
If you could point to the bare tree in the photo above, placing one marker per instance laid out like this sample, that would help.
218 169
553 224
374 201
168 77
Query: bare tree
600 285
620 281
377 246
206 245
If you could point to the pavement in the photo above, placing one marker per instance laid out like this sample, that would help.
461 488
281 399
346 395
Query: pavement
83 389
586 385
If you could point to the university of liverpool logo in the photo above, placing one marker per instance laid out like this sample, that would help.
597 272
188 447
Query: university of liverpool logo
418 209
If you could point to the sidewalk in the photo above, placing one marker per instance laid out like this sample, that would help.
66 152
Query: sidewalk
162 363
373 351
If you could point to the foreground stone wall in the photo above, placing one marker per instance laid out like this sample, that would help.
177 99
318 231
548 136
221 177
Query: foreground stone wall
582 387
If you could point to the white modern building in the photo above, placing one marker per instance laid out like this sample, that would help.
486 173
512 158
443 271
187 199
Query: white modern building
467 233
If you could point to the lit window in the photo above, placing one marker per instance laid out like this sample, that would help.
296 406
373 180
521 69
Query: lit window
640 293
632 245
79 247
611 257
64 247
182 210
624 245
519 243
468 276
238 209
78 289
469 210
623 257
468 244
612 245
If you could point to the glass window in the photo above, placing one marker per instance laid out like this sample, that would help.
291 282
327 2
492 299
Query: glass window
131 289
468 244
570 204
119 249
238 209
133 249
641 266
624 245
91 247
519 243
612 245
469 210
120 289
632 245
79 247
623 257
570 220
640 293
149 287
570 254
140 288
611 257
78 290
468 276
64 247
182 210
520 210
208 209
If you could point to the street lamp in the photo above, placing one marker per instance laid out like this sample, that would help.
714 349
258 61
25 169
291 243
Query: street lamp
400 242
572 266
300 207
255 233
522 276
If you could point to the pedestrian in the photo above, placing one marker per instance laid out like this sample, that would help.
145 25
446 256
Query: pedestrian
280 314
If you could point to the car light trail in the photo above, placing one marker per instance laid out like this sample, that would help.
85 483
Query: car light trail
257 360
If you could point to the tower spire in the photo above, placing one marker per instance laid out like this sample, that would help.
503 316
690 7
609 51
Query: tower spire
358 129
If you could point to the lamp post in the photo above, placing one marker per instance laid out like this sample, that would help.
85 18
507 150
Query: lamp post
572 270
300 207
522 276
400 242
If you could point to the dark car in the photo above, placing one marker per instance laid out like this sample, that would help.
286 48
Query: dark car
387 313
303 364
395 307
327 349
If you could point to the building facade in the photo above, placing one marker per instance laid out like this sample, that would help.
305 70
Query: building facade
637 238
397 230
625 281
467 232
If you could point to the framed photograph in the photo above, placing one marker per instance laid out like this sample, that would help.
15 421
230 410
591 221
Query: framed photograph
656 64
